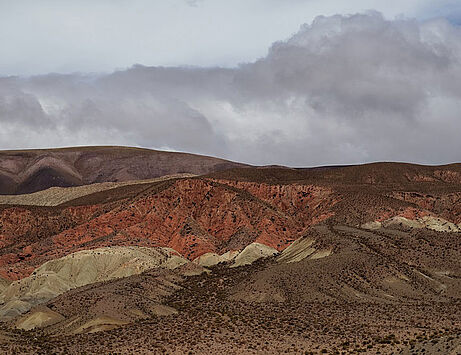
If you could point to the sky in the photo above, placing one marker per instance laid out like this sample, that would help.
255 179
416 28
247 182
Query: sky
290 82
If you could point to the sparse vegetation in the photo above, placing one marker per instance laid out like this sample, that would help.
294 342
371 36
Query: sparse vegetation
379 291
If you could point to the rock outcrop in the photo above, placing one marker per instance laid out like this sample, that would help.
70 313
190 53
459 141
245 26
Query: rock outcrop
253 252
429 222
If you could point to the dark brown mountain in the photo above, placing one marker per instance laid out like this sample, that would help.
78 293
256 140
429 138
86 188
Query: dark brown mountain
28 171
386 173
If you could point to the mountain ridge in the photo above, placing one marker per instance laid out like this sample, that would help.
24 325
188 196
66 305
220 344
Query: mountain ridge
27 171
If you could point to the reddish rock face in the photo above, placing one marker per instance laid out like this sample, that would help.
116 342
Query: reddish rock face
409 213
448 176
225 211
192 216
445 205
22 230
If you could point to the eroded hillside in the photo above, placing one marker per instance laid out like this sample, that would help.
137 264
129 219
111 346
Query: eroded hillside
192 216
330 260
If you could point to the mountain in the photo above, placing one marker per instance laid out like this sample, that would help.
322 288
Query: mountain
26 171
241 259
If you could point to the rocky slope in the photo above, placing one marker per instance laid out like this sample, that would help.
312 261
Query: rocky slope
214 215
329 260
338 289
191 216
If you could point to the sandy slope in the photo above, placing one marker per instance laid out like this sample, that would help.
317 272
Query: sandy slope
78 269
56 196
430 222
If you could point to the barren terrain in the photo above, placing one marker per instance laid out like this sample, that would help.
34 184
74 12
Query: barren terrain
243 260
26 171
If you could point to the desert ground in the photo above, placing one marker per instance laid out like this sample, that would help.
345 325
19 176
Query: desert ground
120 250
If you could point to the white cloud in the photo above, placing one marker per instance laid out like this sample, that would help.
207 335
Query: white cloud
38 37
344 89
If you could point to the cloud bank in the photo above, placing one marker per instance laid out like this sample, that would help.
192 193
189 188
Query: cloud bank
343 89
47 36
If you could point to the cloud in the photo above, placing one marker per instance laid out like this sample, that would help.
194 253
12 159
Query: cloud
193 3
103 35
343 89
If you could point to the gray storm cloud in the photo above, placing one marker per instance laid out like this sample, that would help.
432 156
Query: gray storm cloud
344 89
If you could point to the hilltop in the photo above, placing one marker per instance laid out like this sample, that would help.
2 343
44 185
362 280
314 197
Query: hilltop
26 171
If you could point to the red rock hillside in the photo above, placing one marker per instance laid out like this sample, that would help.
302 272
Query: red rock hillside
192 216
225 211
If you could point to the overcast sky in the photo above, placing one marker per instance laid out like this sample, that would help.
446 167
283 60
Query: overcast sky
293 82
